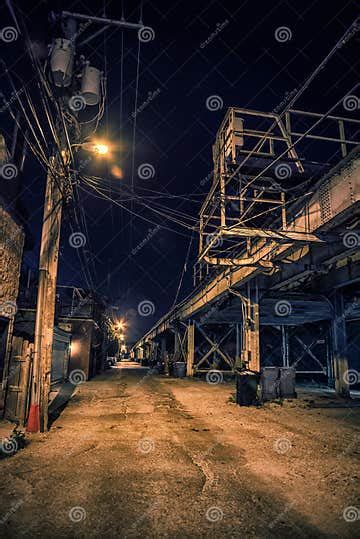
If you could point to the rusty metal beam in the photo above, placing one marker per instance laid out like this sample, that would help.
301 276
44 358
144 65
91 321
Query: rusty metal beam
285 235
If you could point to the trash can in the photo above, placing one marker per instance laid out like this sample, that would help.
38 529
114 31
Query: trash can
179 369
287 382
247 388
270 383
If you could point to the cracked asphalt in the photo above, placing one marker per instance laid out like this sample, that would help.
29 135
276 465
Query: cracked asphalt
135 454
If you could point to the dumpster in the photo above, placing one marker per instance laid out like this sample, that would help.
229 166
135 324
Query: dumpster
277 382
247 388
179 369
287 382
270 383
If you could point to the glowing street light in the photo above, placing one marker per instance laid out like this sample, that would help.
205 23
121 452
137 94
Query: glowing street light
102 149
120 324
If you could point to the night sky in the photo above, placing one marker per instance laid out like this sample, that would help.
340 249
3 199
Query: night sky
200 49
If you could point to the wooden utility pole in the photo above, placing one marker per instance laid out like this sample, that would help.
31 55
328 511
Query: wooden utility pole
45 308
49 252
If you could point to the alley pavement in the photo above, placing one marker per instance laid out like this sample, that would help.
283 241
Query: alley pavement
136 454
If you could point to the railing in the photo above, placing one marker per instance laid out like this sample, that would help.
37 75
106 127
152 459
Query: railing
70 301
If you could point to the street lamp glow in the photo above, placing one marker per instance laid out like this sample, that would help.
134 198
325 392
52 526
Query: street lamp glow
102 149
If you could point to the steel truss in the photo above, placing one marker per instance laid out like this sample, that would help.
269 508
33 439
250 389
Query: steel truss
202 346
253 193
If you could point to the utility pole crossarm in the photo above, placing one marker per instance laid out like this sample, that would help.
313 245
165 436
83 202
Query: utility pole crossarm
102 20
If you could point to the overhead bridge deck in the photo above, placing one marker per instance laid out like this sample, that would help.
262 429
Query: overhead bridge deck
313 281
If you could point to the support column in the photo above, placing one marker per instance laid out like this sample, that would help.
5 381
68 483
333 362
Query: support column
285 345
154 352
251 330
164 356
339 347
253 337
190 349
238 347
177 347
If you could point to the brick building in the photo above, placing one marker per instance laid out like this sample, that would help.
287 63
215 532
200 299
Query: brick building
12 237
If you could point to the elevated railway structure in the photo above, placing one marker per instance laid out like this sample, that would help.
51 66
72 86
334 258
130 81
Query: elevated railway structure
277 280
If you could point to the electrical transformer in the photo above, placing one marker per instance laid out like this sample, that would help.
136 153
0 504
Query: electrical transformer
61 62
90 86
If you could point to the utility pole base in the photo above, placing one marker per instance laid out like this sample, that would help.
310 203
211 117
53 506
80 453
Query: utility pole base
33 422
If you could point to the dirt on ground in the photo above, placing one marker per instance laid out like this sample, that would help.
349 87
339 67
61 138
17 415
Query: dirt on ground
136 454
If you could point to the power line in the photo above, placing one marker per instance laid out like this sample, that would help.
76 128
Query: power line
103 195
134 131
184 269
163 213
